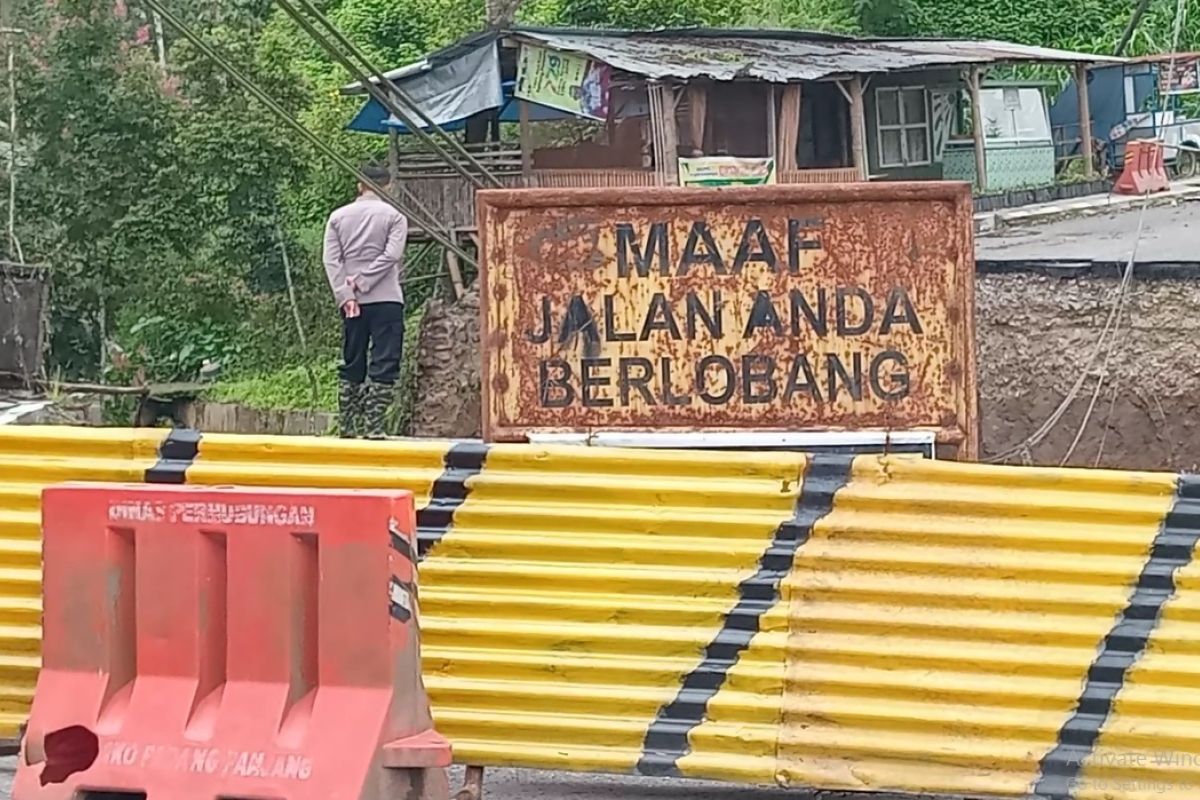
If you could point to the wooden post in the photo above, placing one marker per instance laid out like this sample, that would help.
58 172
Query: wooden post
842 137
788 138
456 278
697 96
664 132
1085 120
655 129
974 78
670 101
772 125
394 160
858 127
526 138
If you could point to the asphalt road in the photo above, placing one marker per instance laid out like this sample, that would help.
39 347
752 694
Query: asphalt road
1169 233
512 784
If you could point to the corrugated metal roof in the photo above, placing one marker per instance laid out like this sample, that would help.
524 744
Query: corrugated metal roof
779 56
769 55
1162 58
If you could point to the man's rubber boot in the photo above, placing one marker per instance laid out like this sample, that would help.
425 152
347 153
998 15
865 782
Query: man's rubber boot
350 409
376 402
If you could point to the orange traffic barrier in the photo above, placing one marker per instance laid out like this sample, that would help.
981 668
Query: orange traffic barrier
230 643
1143 171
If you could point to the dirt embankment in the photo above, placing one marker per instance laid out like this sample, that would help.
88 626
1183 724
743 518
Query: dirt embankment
1035 335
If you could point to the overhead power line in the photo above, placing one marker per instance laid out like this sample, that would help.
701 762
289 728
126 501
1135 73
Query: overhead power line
425 219
379 94
389 95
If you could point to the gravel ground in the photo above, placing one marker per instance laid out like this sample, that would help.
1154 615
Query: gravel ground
514 784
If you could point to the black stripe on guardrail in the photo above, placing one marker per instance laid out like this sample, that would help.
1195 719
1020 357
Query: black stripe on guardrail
1173 548
175 455
463 461
667 737
400 599
400 543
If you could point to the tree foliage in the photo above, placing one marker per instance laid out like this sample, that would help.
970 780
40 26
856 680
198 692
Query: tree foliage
95 204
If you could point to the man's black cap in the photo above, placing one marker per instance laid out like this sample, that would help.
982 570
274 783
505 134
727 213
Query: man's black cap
377 173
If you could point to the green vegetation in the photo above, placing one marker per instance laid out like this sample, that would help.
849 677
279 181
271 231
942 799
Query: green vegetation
314 386
163 199
286 388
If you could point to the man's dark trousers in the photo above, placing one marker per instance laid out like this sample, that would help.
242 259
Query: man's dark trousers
372 344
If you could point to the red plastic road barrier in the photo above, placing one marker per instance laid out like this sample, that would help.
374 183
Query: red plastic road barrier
240 644
1143 171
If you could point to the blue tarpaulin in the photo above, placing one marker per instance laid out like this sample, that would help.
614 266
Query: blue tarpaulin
374 118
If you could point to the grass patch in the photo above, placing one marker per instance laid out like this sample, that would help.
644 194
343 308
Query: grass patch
285 389
291 389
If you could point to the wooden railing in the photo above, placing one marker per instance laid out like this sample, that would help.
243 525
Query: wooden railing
593 178
450 199
823 175
496 157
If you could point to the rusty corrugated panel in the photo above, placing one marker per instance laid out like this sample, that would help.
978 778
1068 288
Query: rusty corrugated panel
771 308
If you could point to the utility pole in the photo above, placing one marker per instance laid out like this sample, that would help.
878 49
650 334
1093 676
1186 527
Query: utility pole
159 39
501 13
10 34
1131 27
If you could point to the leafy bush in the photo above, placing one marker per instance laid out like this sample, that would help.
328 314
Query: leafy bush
174 348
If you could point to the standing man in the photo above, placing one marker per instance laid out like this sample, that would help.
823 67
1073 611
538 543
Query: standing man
364 259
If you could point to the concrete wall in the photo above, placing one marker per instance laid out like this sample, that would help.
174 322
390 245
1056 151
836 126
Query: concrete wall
234 418
1036 333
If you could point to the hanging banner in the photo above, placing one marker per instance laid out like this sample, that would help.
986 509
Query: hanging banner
726 171
1180 77
565 81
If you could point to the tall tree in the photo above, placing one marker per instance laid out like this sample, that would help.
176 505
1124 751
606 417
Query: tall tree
102 157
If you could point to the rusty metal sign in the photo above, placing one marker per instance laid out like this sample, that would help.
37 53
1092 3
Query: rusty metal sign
764 308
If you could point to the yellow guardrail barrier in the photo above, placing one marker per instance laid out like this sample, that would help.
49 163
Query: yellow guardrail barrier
877 623
30 460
